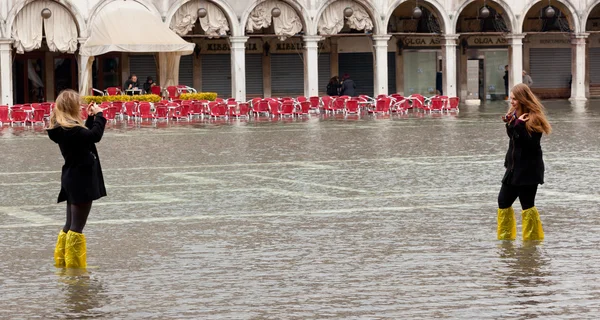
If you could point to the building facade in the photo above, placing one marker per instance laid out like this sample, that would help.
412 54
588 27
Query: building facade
249 48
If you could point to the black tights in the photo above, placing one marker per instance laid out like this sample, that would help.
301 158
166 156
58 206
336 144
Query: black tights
510 193
77 215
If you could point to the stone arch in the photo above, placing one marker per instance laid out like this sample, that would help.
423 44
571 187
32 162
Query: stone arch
587 13
378 29
300 10
234 24
574 18
67 4
98 7
438 9
510 16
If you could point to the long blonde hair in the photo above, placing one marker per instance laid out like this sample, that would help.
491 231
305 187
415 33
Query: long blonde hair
531 105
67 112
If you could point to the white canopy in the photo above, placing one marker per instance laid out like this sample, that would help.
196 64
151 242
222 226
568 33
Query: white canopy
127 26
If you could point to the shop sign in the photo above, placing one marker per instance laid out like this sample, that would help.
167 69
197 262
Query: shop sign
555 41
222 46
293 45
487 41
422 41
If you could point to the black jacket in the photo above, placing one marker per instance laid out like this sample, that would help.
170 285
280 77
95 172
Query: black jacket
333 89
348 87
81 179
524 164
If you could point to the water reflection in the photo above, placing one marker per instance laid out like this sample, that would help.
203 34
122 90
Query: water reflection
527 267
83 295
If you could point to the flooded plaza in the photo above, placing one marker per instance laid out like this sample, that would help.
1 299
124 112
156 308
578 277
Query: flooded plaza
323 217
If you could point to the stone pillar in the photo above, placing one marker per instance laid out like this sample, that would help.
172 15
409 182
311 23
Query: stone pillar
515 58
311 66
463 77
334 62
197 71
49 73
238 67
578 67
380 42
449 64
6 89
266 72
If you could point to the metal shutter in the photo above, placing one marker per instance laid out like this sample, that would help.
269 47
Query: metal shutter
143 66
360 68
550 68
216 74
287 75
594 67
324 72
186 70
254 75
391 72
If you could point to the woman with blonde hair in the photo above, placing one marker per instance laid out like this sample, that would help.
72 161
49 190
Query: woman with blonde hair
525 123
81 179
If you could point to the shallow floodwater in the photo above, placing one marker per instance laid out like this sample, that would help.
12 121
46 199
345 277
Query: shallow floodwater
318 218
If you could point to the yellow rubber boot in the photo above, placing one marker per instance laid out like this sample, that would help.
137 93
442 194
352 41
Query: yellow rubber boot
507 224
75 251
532 225
59 251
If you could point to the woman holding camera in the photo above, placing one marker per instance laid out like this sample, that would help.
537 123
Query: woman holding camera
81 179
525 123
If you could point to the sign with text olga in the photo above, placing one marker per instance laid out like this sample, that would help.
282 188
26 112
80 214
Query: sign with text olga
487 41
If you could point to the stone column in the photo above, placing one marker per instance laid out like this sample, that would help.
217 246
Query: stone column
578 67
334 62
6 89
380 42
399 69
197 71
238 67
515 58
266 72
449 64
311 66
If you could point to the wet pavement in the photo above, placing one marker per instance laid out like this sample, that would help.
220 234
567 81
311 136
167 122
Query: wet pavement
318 218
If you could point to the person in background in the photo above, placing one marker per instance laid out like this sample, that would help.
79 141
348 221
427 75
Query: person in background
506 82
525 124
131 83
81 179
348 86
149 84
333 87
527 79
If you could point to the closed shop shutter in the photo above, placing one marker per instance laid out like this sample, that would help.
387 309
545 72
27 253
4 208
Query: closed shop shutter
391 72
143 66
324 72
287 75
550 68
594 58
216 74
186 70
254 75
360 68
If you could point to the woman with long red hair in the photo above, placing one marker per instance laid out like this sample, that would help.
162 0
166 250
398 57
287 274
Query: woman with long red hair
525 124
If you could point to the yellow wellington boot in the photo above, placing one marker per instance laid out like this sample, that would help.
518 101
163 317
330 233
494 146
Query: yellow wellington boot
507 224
75 251
532 225
59 251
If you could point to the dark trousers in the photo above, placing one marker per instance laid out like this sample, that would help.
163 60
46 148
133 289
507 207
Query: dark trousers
510 193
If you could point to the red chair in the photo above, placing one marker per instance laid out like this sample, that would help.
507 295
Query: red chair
339 104
156 90
274 108
301 99
47 107
262 107
18 116
195 109
436 105
83 112
130 109
243 110
113 91
351 107
304 108
4 115
37 117
173 92
453 104
144 112
315 102
218 110
382 105
161 112
402 106
287 108
326 102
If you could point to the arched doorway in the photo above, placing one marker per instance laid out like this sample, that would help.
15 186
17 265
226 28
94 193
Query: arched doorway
592 26
416 28
45 41
208 26
348 28
482 27
276 30
548 47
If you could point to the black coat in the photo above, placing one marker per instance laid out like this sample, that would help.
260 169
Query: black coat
524 164
333 89
81 179
348 87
